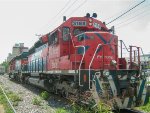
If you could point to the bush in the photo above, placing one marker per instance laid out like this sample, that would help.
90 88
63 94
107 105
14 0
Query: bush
103 108
36 101
145 108
61 110
44 95
4 104
14 97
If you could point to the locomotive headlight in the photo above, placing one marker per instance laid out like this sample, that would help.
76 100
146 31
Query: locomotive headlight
90 20
113 62
143 73
106 73
90 24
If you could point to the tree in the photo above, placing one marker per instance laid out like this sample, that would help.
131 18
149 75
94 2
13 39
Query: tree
5 64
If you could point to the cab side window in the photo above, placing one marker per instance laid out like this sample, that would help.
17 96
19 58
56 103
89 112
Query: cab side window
53 38
66 33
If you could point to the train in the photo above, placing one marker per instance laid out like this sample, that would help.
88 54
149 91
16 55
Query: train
2 70
83 60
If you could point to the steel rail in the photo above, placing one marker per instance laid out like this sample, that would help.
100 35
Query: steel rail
8 100
127 110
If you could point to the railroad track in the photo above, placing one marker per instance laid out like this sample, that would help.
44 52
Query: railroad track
114 111
127 111
27 94
8 100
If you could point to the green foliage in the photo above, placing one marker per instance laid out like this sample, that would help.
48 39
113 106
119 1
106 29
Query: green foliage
5 64
145 108
3 101
103 108
44 95
14 98
79 109
36 101
61 110
148 82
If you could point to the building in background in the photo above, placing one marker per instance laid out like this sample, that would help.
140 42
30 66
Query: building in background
17 49
145 60
9 57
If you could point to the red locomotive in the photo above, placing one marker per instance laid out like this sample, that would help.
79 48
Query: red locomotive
80 57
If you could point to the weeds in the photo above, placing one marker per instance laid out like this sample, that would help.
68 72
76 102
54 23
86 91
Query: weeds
61 110
44 95
145 108
4 103
14 98
103 108
100 108
36 101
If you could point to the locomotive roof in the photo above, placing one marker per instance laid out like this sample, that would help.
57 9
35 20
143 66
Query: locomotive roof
66 23
20 56
69 21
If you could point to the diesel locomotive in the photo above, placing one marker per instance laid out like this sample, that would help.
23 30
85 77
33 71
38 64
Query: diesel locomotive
83 60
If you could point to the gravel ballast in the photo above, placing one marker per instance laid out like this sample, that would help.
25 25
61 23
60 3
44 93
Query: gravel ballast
27 93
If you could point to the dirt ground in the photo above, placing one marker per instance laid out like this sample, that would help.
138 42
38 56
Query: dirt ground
1 109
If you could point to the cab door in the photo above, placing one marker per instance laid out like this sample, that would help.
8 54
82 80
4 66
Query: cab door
65 42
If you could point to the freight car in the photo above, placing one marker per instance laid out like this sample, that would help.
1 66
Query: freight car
2 70
82 60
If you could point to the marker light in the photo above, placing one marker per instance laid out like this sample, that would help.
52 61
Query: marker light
90 20
90 24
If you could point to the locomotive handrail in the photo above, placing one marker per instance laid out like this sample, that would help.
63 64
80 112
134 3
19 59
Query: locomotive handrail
81 62
143 53
138 56
93 59
91 64
81 59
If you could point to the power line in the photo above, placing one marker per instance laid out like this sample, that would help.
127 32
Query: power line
61 10
120 11
78 7
135 11
69 7
73 10
131 21
126 12
67 3
65 11
132 17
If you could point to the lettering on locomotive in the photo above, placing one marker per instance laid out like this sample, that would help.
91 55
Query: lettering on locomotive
79 23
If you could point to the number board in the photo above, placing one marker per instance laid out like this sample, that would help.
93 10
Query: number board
96 25
79 23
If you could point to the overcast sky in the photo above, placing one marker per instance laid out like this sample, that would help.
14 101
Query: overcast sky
20 20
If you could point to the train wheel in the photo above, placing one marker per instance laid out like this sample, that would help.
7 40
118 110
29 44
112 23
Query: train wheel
55 90
64 93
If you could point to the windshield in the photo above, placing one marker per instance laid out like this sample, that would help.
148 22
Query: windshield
78 31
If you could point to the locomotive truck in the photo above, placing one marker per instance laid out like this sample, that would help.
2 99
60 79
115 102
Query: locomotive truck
83 60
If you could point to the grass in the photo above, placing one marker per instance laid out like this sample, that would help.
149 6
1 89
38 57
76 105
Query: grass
15 99
45 95
101 108
61 110
148 82
4 103
146 108
36 101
